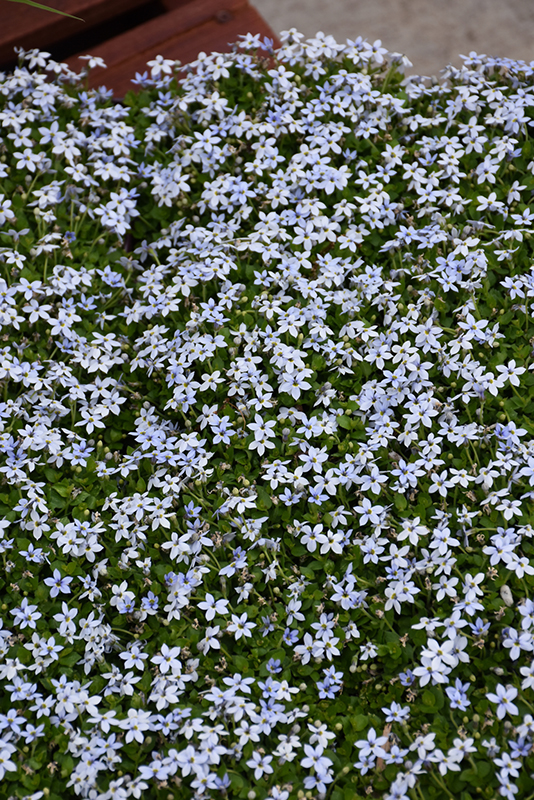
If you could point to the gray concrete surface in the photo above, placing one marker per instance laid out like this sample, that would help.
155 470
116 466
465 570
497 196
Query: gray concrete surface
432 33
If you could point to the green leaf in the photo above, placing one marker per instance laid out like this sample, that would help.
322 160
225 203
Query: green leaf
69 659
130 98
394 649
483 768
263 497
55 500
241 663
400 501
359 722
45 8
237 781
67 765
428 699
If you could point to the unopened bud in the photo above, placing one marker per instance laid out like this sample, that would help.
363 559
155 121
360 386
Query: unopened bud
506 595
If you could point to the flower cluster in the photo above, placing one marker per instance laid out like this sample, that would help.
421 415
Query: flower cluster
266 445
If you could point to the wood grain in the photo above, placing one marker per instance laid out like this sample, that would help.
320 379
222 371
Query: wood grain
27 27
185 28
201 25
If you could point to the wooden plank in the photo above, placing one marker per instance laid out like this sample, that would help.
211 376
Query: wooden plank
185 28
153 33
27 27
201 25
170 5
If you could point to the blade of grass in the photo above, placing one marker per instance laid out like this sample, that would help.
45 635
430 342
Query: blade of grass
45 8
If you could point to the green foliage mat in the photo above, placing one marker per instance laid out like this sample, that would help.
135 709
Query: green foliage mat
265 429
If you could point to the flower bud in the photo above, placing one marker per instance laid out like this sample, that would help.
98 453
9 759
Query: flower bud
506 595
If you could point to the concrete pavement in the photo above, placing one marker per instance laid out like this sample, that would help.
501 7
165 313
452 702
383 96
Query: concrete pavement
432 33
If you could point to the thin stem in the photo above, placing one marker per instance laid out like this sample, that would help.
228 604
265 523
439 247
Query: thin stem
440 783
122 630
384 618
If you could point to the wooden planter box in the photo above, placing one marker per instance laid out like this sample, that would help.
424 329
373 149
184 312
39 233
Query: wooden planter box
127 33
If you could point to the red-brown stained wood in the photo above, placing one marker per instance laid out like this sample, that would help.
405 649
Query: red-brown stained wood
186 28
27 27
201 25
176 22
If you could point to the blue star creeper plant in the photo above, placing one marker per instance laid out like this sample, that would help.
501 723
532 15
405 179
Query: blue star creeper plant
266 438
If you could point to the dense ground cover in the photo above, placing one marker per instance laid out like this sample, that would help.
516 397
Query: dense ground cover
267 450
